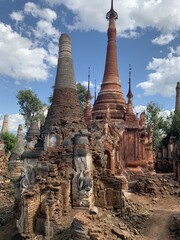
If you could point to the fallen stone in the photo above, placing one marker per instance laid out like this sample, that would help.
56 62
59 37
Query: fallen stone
124 235
93 210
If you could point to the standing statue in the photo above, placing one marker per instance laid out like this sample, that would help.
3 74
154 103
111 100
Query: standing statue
27 179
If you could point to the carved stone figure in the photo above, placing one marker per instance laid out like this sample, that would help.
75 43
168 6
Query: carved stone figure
28 176
85 181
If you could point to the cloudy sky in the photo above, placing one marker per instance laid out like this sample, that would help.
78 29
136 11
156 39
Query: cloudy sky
148 39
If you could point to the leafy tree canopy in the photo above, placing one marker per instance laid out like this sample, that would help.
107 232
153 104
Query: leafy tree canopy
31 108
9 141
175 126
82 94
160 125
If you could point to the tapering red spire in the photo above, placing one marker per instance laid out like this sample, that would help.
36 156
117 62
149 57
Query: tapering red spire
111 92
130 116
130 95
88 92
87 110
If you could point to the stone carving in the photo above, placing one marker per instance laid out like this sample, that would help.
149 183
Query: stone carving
105 161
85 182
82 181
20 223
28 176
80 164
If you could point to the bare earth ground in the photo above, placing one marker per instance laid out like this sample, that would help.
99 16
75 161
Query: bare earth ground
159 217
153 217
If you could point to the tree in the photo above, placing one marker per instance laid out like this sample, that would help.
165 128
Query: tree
82 94
31 108
175 126
9 142
160 125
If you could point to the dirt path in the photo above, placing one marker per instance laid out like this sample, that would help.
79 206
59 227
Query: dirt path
158 228
160 219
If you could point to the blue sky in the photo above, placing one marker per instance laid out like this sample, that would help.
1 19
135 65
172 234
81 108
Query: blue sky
147 38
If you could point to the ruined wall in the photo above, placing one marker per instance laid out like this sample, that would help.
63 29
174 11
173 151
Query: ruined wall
107 191
30 205
16 168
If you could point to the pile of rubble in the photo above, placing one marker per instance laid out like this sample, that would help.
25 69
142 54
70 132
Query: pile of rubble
161 186
100 225
157 185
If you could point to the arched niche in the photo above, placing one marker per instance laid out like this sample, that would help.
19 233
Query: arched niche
52 140
108 159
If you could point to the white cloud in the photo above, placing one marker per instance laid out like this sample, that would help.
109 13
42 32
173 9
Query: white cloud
163 113
53 48
45 13
28 53
163 39
17 16
14 121
45 29
166 113
19 59
139 109
164 16
165 74
85 83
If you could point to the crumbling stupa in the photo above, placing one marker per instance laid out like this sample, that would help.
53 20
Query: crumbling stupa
63 163
71 164
5 124
16 163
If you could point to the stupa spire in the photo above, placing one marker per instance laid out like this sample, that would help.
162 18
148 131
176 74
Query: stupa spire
65 102
20 141
177 105
94 90
110 92
65 77
112 13
130 95
88 92
5 124
87 111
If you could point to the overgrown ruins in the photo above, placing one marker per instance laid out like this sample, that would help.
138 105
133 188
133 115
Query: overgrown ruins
72 164
79 162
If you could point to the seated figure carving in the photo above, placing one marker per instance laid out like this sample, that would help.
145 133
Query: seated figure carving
85 182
